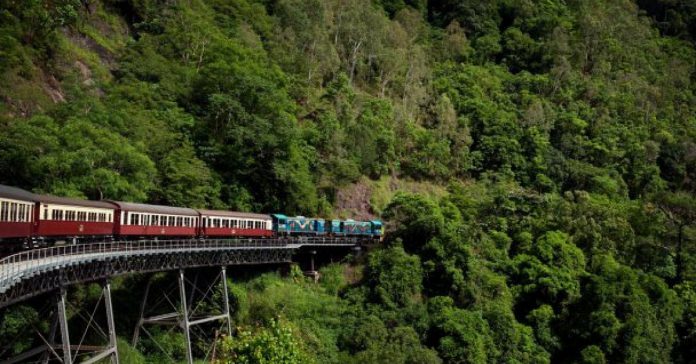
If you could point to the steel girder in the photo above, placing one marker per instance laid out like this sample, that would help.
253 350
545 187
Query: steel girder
50 280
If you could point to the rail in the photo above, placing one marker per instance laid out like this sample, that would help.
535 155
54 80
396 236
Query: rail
13 267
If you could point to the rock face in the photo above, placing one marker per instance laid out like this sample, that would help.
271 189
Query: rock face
354 200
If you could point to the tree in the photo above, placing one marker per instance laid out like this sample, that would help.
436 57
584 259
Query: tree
680 210
394 277
275 344
547 272
414 219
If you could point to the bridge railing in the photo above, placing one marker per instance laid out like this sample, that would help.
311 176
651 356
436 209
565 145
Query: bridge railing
14 266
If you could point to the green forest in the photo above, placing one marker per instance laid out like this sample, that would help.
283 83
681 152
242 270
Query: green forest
534 162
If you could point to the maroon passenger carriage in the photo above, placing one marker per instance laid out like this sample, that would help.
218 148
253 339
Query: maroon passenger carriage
135 220
32 219
16 214
225 224
73 219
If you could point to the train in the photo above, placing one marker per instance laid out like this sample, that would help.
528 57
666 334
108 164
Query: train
29 220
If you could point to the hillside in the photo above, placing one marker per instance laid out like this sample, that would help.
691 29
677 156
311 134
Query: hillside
535 161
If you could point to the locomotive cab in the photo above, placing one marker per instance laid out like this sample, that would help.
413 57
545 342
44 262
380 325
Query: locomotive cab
376 229
280 224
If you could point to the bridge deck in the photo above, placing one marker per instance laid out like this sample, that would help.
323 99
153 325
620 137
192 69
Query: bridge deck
32 272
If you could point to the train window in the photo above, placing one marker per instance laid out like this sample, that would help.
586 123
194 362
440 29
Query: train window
171 221
3 211
179 221
133 219
146 220
54 214
13 212
92 216
225 223
45 213
81 216
21 213
155 220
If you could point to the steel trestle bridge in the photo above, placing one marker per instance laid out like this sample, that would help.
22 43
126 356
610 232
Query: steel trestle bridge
41 271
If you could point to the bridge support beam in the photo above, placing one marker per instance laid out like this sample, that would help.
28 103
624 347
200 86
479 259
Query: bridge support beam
226 300
113 346
110 351
185 325
185 315
63 322
312 272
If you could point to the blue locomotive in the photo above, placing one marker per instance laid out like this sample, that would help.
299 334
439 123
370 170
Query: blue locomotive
300 225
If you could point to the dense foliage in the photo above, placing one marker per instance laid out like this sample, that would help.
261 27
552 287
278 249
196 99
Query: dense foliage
560 135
